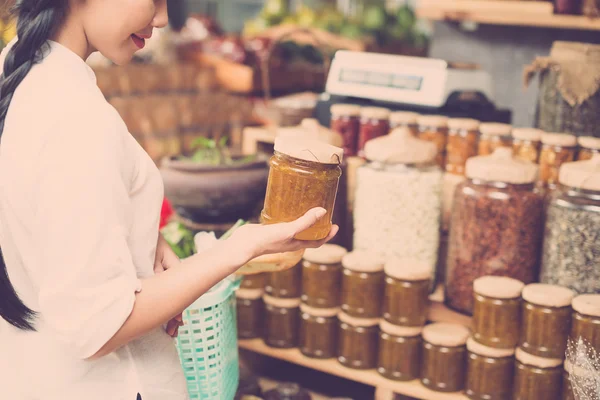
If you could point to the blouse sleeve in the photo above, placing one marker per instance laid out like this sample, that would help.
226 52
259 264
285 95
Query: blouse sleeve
85 273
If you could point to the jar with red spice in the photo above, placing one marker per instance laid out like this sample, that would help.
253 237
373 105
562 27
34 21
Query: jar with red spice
374 122
345 120
434 128
404 119
492 136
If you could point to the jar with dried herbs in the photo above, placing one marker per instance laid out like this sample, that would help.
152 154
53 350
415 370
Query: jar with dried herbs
282 322
463 134
285 284
405 119
400 350
527 143
557 149
358 341
492 136
490 372
322 276
318 331
496 226
588 147
304 174
374 122
434 128
571 251
345 120
362 284
585 323
537 378
250 313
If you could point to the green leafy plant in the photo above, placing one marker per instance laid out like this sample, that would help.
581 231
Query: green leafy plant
215 152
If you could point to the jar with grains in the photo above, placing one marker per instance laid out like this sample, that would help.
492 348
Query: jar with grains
588 147
463 134
537 378
285 284
497 311
256 281
400 350
434 128
490 372
449 184
585 323
397 203
358 341
282 322
545 320
493 135
405 119
527 143
303 174
374 122
496 226
362 284
444 361
250 313
322 276
571 251
406 295
557 149
318 331
345 120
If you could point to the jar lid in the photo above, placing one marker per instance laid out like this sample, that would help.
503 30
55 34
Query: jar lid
468 124
494 129
404 117
320 312
374 112
581 174
281 303
535 361
438 121
326 254
400 147
350 110
402 331
498 287
408 269
478 348
446 334
249 294
501 166
587 304
527 134
363 261
589 142
559 139
543 294
308 149
365 322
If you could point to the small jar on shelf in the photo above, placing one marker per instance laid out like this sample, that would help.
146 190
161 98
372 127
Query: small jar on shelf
545 320
285 284
318 331
322 276
282 322
400 350
557 149
586 320
256 281
404 119
362 284
493 135
537 378
490 372
358 341
588 147
374 122
463 134
497 311
345 120
250 313
434 128
444 361
527 143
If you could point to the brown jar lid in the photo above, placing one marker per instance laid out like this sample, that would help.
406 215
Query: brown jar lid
308 150
249 294
532 134
408 269
375 113
446 334
353 321
587 304
326 254
559 139
535 361
543 294
397 330
498 287
435 121
320 312
589 142
581 174
478 348
404 117
501 166
494 129
468 124
363 261
281 303
350 110
400 147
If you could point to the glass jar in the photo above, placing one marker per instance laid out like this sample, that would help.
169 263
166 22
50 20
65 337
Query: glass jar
285 284
357 342
545 320
489 372
406 294
250 313
567 389
449 184
374 122
318 331
282 322
462 143
362 284
399 352
537 378
288 391
579 379
527 143
322 276
256 281
345 120
493 135
497 311
496 226
304 174
434 128
397 206
405 119
443 367
588 147
586 320
557 149
571 251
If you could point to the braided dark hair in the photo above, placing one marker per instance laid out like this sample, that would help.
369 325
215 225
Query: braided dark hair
37 22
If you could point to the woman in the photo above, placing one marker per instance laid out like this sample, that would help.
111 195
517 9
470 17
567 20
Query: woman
86 282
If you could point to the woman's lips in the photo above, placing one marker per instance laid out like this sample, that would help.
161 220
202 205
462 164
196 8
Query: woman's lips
138 41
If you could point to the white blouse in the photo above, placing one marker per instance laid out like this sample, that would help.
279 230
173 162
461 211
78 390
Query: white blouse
79 212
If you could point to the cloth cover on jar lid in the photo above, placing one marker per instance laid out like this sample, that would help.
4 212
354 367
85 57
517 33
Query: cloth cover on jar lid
535 361
501 166
404 117
363 261
326 254
408 269
498 287
375 113
358 322
546 295
400 147
559 139
281 303
249 294
308 150
587 304
320 312
401 331
446 334
531 134
589 142
581 174
495 129
485 351
468 124
435 121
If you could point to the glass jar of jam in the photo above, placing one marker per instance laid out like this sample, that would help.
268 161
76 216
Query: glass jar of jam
557 149
497 311
527 143
282 322
357 341
489 372
545 320
537 378
285 284
406 293
322 276
586 320
444 361
434 128
345 120
374 122
463 134
399 352
492 136
318 331
362 284
304 174
250 313
588 147
405 119
256 281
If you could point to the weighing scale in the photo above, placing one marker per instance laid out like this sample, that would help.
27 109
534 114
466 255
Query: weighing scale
402 83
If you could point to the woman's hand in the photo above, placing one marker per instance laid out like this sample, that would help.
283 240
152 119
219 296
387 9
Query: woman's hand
166 258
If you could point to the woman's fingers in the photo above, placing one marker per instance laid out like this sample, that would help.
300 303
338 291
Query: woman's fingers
318 243
307 220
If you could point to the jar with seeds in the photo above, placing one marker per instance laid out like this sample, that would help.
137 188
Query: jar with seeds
557 149
493 135
588 147
527 143
434 128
